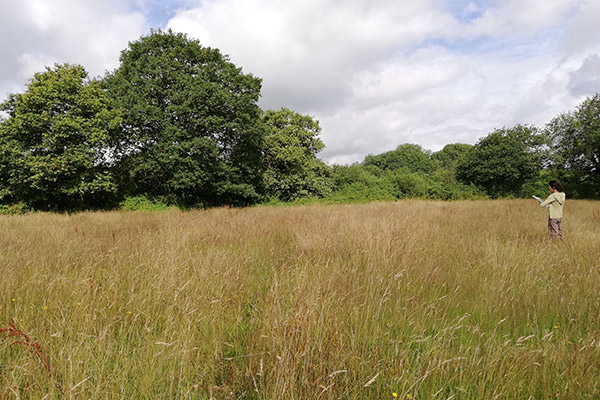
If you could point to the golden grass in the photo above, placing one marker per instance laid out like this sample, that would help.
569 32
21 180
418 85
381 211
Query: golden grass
422 299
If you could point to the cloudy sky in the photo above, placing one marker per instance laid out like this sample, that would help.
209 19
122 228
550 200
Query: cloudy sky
374 73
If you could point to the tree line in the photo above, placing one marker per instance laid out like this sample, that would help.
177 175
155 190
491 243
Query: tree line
179 124
514 162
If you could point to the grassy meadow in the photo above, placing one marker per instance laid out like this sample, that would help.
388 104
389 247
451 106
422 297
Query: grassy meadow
406 300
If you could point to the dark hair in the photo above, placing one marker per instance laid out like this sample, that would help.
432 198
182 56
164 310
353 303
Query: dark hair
555 185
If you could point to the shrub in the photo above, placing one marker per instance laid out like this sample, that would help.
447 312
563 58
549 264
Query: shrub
142 203
18 208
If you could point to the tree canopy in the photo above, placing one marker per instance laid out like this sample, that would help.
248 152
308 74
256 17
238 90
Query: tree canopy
55 145
411 157
503 161
451 155
179 123
191 124
576 145
292 169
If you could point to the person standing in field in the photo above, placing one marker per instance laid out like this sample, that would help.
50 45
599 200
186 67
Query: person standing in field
555 202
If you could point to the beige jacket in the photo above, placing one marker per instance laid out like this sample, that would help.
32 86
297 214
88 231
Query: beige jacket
555 201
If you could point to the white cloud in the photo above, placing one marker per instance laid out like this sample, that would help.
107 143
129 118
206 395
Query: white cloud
303 47
43 32
584 29
30 63
407 77
376 74
585 81
518 18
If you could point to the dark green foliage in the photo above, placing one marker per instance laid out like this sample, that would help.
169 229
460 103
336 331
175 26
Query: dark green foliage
292 169
191 124
444 186
18 208
576 148
502 161
408 156
451 155
357 183
409 184
538 184
55 145
142 203
178 124
344 175
368 183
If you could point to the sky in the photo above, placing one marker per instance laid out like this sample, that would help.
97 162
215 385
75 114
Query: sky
375 73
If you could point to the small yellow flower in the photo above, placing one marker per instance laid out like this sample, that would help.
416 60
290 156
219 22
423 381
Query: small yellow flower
555 326
129 312
45 307
395 394
13 300
78 304
409 396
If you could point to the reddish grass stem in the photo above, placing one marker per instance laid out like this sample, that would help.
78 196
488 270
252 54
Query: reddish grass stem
33 346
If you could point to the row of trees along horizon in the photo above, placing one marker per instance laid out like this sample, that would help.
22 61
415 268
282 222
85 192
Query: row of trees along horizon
179 124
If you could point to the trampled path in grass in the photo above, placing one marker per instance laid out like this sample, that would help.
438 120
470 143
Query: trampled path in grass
408 299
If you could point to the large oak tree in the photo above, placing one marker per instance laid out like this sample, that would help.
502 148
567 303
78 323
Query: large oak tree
191 124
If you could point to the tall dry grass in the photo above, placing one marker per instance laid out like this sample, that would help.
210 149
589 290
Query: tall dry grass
418 299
